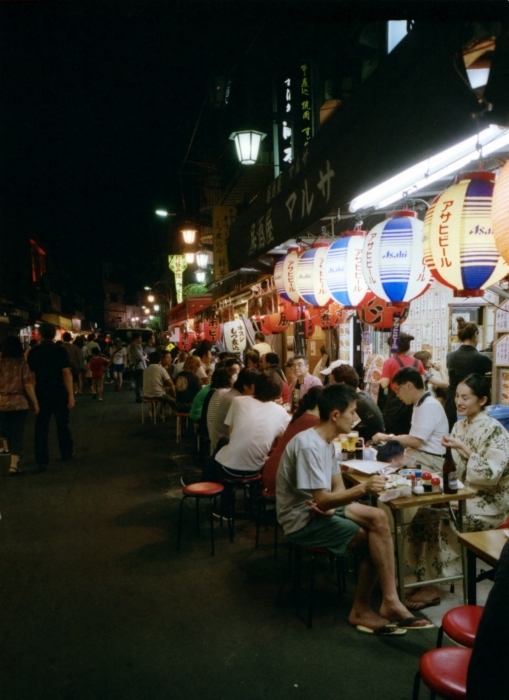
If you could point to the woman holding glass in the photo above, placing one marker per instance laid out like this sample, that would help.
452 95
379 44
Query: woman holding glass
480 449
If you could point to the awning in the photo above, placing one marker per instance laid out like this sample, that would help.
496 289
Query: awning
60 321
188 308
416 103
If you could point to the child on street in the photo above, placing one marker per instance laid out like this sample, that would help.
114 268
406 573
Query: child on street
96 365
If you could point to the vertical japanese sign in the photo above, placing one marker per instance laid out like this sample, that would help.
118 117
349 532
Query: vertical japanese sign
221 220
287 123
177 264
395 331
306 103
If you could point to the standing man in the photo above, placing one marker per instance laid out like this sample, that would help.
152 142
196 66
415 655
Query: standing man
150 346
261 346
138 362
74 358
429 421
55 394
303 380
316 510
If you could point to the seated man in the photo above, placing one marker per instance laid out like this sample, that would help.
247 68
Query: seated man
315 509
371 417
157 383
429 421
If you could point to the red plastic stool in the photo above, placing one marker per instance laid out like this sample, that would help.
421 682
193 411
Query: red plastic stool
460 624
444 672
203 489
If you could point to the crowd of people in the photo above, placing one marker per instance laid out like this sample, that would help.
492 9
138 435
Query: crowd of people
256 417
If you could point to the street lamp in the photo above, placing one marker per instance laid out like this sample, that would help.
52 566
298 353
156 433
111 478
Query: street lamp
200 276
247 144
189 258
156 307
150 298
162 213
202 258
189 235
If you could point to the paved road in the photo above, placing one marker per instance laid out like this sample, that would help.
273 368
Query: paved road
97 604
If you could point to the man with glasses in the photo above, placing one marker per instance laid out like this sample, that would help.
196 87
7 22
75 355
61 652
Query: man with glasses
303 380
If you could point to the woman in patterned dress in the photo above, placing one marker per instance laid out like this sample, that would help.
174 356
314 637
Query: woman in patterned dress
480 449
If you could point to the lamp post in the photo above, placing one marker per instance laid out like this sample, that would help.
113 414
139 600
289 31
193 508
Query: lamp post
247 144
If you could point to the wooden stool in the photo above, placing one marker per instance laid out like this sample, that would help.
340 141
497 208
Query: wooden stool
200 490
178 428
444 672
154 404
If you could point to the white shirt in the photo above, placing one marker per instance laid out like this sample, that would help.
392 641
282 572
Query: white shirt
214 435
255 425
430 424
262 348
153 381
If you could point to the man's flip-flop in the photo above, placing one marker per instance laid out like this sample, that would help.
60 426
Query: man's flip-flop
384 631
407 624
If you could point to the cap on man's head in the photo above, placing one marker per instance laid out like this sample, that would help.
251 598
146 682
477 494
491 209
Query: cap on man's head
332 365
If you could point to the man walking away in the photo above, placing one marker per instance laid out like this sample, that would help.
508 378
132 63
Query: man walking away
55 394
138 362
74 358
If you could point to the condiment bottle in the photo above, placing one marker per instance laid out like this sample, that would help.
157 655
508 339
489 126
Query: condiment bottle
435 484
450 475
418 488
426 482
359 449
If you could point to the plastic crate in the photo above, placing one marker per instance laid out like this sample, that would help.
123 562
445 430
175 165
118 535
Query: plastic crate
500 413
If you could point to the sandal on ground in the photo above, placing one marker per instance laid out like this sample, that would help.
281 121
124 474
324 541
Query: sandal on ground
384 631
408 624
15 471
418 600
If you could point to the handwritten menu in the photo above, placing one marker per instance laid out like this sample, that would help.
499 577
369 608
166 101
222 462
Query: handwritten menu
502 318
502 350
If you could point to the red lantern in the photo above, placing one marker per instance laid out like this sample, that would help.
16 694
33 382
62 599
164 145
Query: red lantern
265 325
212 330
329 316
198 330
309 326
379 314
291 311
278 323
186 340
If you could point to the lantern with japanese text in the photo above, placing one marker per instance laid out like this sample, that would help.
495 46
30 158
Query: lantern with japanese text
212 330
343 270
392 259
285 275
500 212
291 311
198 331
275 323
186 339
380 315
234 336
458 241
329 316
311 275
309 325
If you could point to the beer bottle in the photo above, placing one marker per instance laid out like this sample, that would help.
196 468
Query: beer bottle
450 475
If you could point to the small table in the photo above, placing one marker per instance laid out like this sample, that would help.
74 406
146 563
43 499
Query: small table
397 506
487 545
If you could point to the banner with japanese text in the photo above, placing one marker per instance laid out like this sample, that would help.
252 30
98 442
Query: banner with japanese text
222 217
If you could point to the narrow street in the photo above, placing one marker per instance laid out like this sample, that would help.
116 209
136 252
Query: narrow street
98 604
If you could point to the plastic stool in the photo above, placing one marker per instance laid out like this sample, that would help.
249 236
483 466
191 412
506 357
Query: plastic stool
153 404
460 624
178 429
444 672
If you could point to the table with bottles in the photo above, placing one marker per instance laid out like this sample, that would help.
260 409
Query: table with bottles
398 505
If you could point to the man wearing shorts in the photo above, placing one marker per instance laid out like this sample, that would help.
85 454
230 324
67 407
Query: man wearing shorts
316 510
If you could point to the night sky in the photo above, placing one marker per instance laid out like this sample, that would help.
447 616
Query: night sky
98 101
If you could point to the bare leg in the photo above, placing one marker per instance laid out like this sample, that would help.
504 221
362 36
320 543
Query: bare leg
381 554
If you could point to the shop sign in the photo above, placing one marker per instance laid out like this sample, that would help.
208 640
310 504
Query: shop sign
222 217
178 264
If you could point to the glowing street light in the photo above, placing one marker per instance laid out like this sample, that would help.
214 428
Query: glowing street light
162 213
156 307
151 298
247 144
189 235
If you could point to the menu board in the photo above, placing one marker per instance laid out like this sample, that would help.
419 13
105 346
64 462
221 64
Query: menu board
503 386
502 318
502 350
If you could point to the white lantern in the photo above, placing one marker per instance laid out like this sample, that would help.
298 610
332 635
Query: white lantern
189 258
500 212
200 276
311 275
189 234
234 336
458 241
202 258
285 275
392 259
247 144
343 270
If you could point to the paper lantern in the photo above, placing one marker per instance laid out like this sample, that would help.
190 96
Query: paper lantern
343 270
380 315
234 335
198 331
458 241
329 316
500 212
392 258
309 326
311 275
285 275
212 330
186 340
291 311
